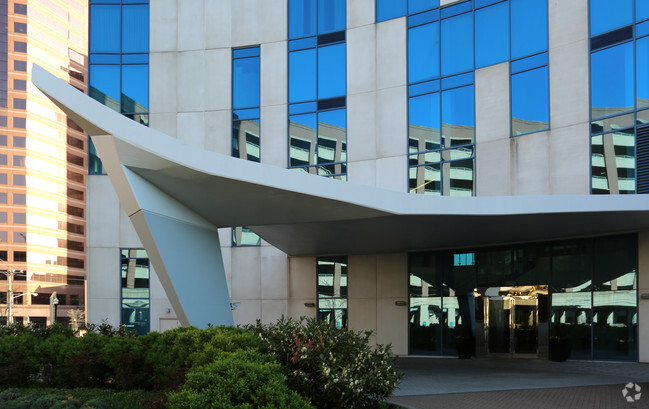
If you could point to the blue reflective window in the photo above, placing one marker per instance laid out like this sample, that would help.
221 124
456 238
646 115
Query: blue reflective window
302 75
245 82
606 15
135 29
302 139
641 10
457 44
389 9
642 73
332 137
423 52
331 71
302 18
105 23
458 116
331 15
135 88
105 85
492 35
415 6
424 122
611 78
530 101
529 27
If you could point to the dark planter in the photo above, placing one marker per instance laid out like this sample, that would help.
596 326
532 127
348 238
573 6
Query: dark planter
464 347
559 349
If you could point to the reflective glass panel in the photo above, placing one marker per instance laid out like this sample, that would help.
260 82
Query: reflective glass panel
615 325
135 88
613 163
607 15
641 10
458 116
105 23
302 75
136 319
425 179
415 6
245 82
423 123
245 139
389 9
95 167
612 80
331 71
243 236
530 101
492 35
457 44
642 72
332 290
529 27
105 85
302 18
423 52
331 15
425 317
135 28
615 263
302 130
332 136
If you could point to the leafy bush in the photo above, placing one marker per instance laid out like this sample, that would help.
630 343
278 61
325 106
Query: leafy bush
336 368
242 379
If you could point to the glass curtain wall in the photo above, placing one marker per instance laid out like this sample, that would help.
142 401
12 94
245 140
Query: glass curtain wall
332 290
317 87
246 135
592 301
119 61
136 314
619 74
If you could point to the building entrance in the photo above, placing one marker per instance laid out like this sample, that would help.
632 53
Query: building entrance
512 320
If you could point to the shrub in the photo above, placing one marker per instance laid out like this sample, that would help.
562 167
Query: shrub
242 379
336 368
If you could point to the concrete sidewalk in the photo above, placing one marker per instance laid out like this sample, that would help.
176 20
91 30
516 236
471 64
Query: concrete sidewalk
529 383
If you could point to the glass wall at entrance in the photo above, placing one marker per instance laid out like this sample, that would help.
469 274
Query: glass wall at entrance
512 300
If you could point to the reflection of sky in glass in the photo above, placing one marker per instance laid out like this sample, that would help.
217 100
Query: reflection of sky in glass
457 44
331 15
135 29
331 71
387 9
529 27
337 118
135 83
492 34
642 68
302 78
245 79
308 120
606 15
530 95
302 18
105 78
457 106
641 10
105 28
415 6
424 111
612 77
423 57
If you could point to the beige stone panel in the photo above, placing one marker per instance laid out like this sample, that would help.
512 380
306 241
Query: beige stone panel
101 310
391 53
493 168
102 211
391 122
166 122
492 103
362 172
218 33
392 275
273 310
162 82
362 315
191 128
226 253
392 325
246 273
569 84
191 85
218 79
218 131
530 164
163 25
257 21
643 305
274 78
274 11
225 237
360 13
248 311
302 278
274 139
361 279
274 274
361 126
391 173
128 237
191 25
569 160
361 59
297 309
103 272
567 22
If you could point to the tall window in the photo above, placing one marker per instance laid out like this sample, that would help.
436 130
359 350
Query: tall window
119 61
246 134
619 74
136 314
317 86
4 53
332 290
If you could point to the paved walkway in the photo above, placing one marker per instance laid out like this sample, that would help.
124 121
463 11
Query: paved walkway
518 383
